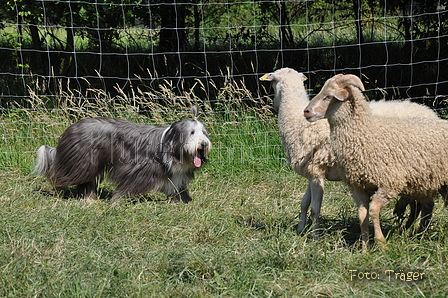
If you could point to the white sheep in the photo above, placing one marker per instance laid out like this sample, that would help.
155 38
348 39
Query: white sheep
384 156
306 144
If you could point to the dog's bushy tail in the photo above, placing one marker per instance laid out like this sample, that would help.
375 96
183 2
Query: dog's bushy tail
45 158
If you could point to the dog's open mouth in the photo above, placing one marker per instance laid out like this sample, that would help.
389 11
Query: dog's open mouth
199 158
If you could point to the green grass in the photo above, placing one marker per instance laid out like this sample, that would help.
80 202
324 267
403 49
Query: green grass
236 239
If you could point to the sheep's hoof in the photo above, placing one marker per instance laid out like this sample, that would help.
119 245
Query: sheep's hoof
364 246
381 243
317 233
300 228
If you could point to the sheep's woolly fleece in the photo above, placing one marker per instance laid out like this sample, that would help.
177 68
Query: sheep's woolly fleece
407 157
387 156
401 156
306 144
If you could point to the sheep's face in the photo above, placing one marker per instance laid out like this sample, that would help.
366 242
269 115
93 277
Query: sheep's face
277 77
328 99
318 107
333 94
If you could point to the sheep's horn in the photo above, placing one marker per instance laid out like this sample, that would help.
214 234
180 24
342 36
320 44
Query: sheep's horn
345 80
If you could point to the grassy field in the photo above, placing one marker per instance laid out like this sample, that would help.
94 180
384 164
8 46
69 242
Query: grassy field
236 239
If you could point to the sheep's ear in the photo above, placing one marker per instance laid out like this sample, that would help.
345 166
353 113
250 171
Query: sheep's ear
343 82
304 78
341 94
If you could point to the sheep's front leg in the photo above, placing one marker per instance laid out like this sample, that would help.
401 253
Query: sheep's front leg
317 192
378 201
305 204
362 202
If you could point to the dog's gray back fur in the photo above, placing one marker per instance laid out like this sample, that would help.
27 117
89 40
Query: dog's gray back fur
137 157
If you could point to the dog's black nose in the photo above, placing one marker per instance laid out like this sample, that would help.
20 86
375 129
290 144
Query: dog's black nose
204 144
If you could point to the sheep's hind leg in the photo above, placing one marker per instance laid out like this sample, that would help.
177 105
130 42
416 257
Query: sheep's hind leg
378 201
416 208
305 204
413 214
426 216
317 192
400 210
444 193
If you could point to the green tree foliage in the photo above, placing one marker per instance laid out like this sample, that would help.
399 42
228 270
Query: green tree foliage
85 38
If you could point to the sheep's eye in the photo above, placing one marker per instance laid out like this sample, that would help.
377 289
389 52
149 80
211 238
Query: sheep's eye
192 132
329 97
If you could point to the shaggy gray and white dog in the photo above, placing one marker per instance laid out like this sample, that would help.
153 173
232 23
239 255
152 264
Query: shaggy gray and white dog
138 158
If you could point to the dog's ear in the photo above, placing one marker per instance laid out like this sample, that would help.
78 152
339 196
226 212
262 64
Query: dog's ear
195 111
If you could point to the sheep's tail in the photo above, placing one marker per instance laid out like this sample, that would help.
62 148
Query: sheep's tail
44 160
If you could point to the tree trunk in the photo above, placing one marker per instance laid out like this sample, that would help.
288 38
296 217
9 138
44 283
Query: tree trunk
37 46
359 33
358 21
197 24
172 38
172 32
285 29
67 58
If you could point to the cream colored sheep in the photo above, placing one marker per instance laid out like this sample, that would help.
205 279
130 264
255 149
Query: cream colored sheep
306 144
384 156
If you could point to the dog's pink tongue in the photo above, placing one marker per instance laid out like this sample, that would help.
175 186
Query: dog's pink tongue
197 161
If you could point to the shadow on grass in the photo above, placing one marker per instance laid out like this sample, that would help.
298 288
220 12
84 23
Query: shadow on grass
103 194
347 228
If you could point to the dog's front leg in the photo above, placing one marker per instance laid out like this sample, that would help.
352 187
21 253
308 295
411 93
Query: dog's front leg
185 197
182 196
117 196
